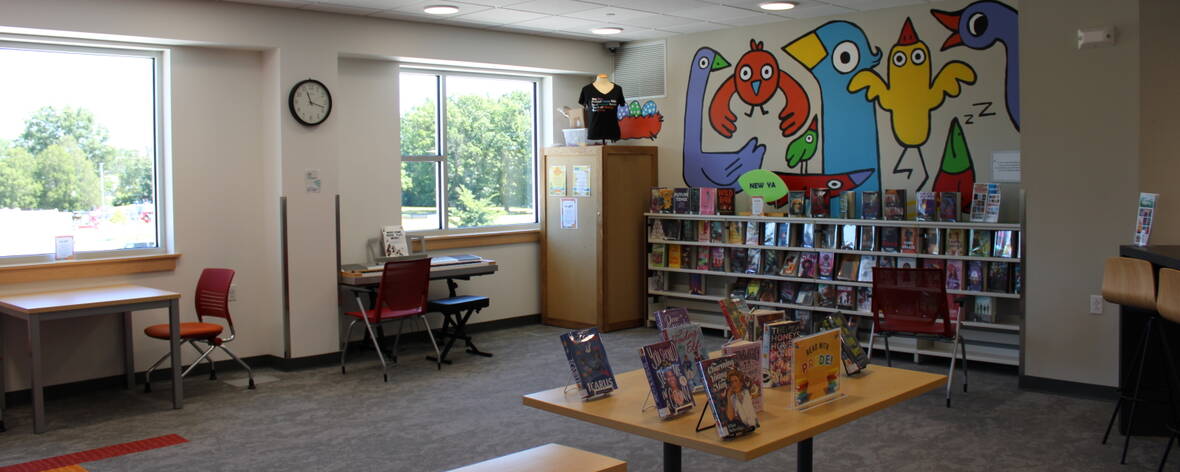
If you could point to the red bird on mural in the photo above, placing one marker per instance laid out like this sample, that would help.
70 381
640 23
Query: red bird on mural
756 80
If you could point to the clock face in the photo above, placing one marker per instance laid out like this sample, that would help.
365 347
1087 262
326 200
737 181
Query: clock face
310 102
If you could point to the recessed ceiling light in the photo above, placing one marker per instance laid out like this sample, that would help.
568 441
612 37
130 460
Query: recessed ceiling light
607 30
441 9
777 6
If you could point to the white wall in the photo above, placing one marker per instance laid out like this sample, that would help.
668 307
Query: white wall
236 151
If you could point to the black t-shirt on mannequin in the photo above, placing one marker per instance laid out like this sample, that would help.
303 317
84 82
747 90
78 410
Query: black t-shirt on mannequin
602 121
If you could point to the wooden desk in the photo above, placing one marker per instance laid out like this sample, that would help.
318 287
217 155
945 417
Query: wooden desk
37 308
781 425
372 276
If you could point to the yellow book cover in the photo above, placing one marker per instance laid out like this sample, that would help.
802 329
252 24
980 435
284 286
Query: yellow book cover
674 256
815 367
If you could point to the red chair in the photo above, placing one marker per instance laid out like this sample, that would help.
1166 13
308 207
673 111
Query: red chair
402 294
913 302
211 300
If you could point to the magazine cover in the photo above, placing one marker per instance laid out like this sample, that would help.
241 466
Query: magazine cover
815 367
588 363
827 265
806 295
846 297
753 233
907 262
826 295
797 204
725 206
981 243
688 230
671 316
847 205
998 277
890 238
886 261
854 356
666 197
708 204
784 235
729 396
737 316
657 231
753 261
703 254
737 290
674 254
825 236
737 259
696 284
954 274
680 200
769 233
864 299
754 290
786 291
870 205
974 276
868 238
956 242
658 280
848 237
1143 218
717 259
927 203
772 262
687 339
656 357
894 202
985 202
1003 244
748 355
820 206
804 317
704 231
948 206
867 263
790 264
807 238
849 267
717 231
808 265
733 232
769 292
672 229
776 352
657 255
909 240
673 381
932 240
694 200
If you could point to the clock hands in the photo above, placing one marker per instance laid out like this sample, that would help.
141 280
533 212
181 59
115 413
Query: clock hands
309 100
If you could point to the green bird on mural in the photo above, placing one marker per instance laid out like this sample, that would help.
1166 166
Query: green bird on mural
803 147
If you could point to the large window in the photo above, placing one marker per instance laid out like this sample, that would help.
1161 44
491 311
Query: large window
469 159
79 150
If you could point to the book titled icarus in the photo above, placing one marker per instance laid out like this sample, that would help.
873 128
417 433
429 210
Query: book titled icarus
661 359
687 339
815 367
776 352
729 396
588 363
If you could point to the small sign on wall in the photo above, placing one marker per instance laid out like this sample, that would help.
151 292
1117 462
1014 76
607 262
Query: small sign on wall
1006 166
569 213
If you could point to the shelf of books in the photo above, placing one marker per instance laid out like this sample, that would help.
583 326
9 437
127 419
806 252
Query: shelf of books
815 260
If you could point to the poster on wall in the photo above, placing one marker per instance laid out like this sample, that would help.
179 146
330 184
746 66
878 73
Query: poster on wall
815 368
581 181
557 181
569 213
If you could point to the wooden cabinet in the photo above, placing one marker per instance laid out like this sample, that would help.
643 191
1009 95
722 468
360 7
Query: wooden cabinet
593 274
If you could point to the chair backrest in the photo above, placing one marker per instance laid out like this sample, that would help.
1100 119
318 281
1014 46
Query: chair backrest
404 285
212 296
911 300
1168 300
1130 282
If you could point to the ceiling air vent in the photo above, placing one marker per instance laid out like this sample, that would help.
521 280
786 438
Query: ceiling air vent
639 69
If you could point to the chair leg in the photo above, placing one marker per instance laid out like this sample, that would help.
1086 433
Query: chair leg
1135 389
950 375
249 371
344 350
888 358
380 355
963 346
429 333
147 378
872 333
204 355
212 366
397 339
1126 381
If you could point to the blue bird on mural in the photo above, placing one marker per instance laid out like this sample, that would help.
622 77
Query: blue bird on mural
980 26
711 169
834 52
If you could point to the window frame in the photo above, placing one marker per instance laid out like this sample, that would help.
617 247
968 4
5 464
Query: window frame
440 159
162 158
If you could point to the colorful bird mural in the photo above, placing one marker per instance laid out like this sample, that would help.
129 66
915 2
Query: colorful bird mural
640 121
803 147
711 169
757 79
845 182
980 26
956 173
909 94
835 52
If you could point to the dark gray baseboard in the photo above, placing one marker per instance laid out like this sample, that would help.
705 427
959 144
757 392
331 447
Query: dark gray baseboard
1068 388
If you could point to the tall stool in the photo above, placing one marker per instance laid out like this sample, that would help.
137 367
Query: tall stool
1167 303
1130 282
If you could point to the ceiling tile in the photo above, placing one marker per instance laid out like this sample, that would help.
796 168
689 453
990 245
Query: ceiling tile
613 15
554 7
753 4
754 20
492 3
276 3
414 8
373 4
643 35
713 13
873 4
498 16
656 6
347 10
695 27
558 23
815 11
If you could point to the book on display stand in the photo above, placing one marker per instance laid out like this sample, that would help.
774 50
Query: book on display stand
687 339
748 355
776 352
815 368
589 366
659 360
730 400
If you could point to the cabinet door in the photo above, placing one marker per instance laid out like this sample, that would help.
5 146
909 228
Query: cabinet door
629 177
572 255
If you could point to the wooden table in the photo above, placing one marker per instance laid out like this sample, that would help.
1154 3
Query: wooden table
781 425
372 276
37 308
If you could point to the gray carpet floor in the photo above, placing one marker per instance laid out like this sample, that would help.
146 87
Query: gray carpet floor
426 420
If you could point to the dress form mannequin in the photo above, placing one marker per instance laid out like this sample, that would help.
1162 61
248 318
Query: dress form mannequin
602 99
603 84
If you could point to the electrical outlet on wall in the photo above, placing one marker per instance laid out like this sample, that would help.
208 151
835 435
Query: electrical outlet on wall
1096 304
233 292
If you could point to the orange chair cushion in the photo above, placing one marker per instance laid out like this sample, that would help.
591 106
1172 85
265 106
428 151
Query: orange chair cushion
187 331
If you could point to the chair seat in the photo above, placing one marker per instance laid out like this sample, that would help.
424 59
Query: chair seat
385 315
187 331
464 302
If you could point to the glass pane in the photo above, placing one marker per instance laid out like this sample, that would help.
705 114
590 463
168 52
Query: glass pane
490 151
418 98
77 151
420 209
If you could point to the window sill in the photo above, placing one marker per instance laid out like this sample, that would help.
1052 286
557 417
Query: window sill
491 238
87 268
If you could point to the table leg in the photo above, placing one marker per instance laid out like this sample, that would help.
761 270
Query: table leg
671 458
128 350
804 463
37 379
174 335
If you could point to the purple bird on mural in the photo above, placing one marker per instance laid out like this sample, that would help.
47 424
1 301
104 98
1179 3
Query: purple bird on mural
711 169
980 26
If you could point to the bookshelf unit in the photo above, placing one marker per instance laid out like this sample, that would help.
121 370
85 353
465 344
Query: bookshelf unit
997 342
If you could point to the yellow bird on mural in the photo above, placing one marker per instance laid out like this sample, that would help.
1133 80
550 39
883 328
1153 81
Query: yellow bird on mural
910 93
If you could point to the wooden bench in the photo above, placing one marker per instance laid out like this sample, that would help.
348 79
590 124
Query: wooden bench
549 458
